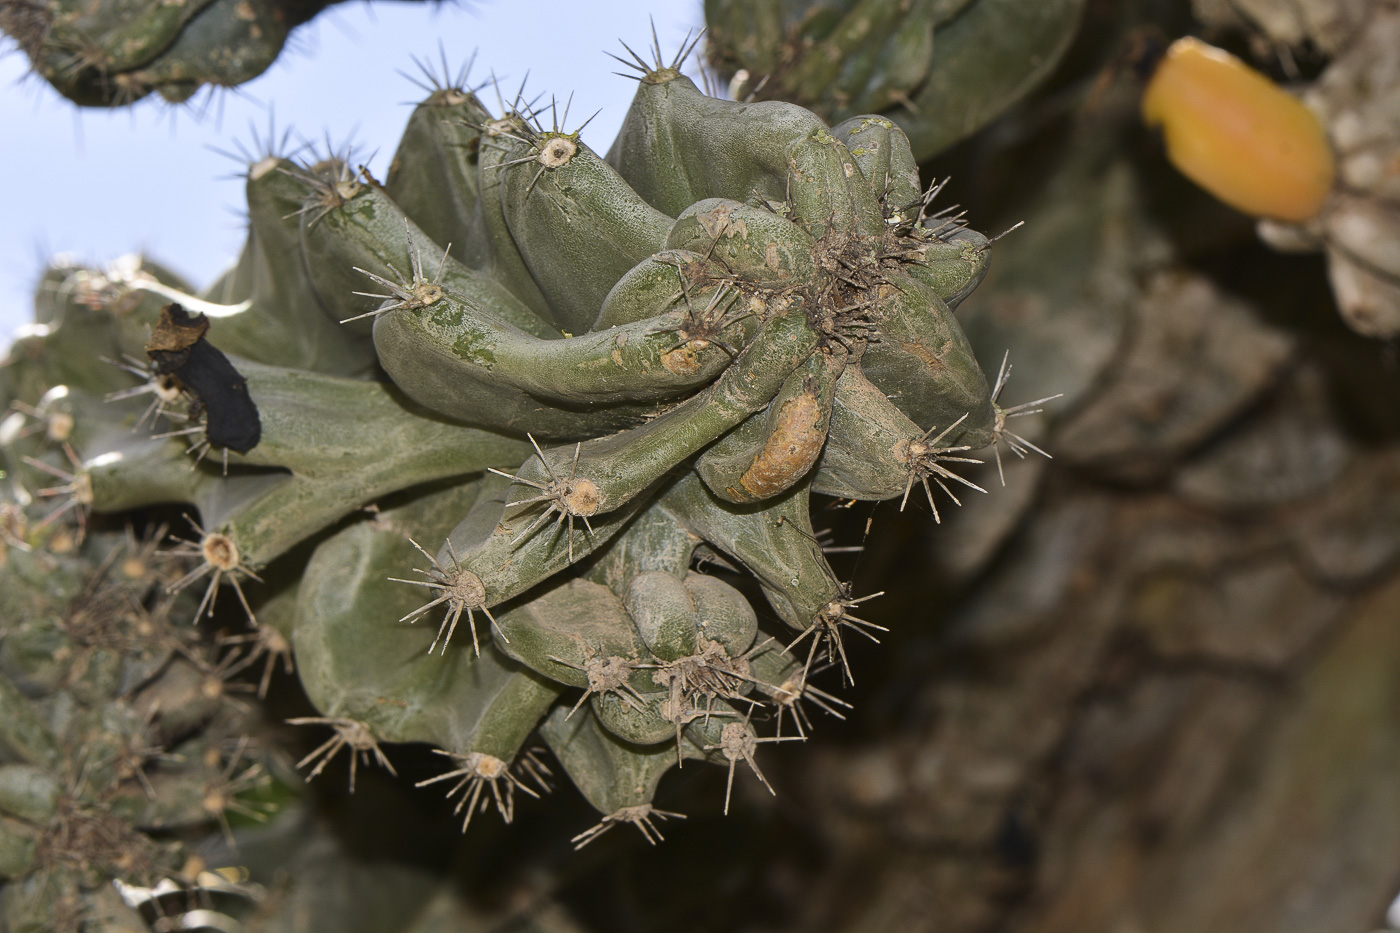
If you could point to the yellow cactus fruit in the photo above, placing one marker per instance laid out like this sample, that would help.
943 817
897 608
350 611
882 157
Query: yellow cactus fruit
1237 134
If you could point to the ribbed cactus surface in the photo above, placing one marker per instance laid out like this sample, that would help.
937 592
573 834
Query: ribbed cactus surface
115 53
942 69
459 444
124 751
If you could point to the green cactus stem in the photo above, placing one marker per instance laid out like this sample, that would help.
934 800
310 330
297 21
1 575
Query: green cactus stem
940 69
458 443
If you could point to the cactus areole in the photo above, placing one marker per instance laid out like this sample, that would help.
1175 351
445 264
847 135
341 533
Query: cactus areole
519 391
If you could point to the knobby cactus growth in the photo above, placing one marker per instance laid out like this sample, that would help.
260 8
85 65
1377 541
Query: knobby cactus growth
942 69
458 440
110 54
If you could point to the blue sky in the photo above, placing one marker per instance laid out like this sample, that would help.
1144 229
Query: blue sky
98 184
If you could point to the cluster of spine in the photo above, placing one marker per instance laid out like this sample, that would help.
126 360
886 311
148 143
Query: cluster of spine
942 69
486 418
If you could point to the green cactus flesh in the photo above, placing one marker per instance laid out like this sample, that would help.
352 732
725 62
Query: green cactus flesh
941 69
115 52
472 482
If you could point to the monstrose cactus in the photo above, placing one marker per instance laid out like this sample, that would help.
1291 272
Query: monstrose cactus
942 69
461 438
113 54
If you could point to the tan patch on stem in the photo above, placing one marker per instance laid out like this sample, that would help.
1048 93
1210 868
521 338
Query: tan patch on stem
682 361
924 354
718 222
791 449
583 497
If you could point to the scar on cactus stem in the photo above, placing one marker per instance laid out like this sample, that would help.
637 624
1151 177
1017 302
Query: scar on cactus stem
348 733
220 558
461 589
479 769
639 816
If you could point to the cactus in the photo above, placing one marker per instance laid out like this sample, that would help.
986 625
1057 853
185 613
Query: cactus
114 54
459 438
941 69
1189 612
125 753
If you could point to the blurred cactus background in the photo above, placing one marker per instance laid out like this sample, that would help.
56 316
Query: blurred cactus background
618 440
